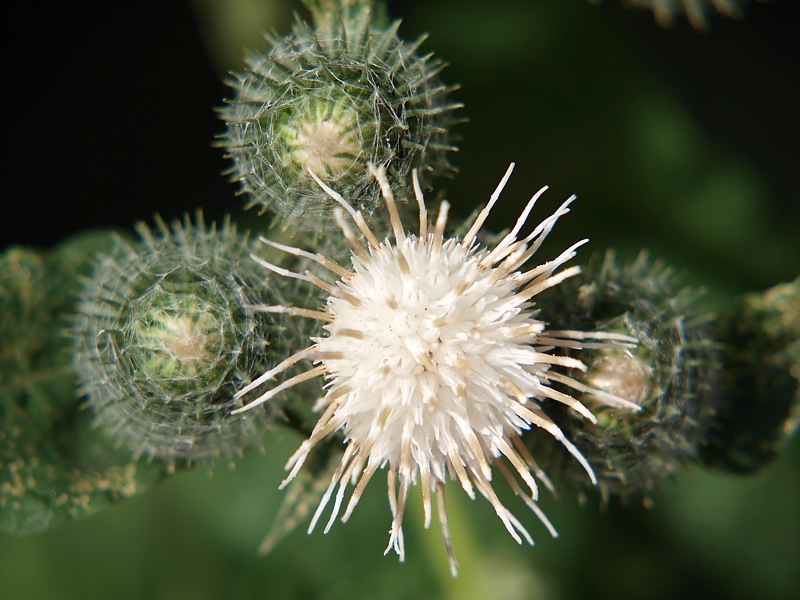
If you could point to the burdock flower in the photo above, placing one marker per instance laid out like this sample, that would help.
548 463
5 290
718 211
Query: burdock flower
436 360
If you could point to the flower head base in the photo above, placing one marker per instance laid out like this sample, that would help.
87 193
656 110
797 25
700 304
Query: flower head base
436 361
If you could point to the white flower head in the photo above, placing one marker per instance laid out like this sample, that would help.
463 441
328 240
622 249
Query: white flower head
436 359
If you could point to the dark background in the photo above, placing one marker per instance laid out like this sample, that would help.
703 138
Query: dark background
680 142
110 107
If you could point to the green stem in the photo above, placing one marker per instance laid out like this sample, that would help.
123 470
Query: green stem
471 581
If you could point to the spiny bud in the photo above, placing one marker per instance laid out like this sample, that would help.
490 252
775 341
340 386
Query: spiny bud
672 374
331 100
164 338
760 409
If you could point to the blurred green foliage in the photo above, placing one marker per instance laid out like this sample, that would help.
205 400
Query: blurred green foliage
56 466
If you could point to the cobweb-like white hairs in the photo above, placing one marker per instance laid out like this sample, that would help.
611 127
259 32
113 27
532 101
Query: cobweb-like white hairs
435 361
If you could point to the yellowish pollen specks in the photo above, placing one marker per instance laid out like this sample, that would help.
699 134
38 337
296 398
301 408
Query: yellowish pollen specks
425 361
353 333
460 364
444 361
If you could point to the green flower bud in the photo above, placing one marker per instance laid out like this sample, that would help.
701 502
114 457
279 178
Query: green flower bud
760 410
331 100
672 374
164 337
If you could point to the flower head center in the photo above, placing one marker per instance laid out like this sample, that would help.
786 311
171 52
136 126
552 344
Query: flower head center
185 339
323 138
418 306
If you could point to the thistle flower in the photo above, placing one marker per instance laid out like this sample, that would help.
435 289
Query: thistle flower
436 361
